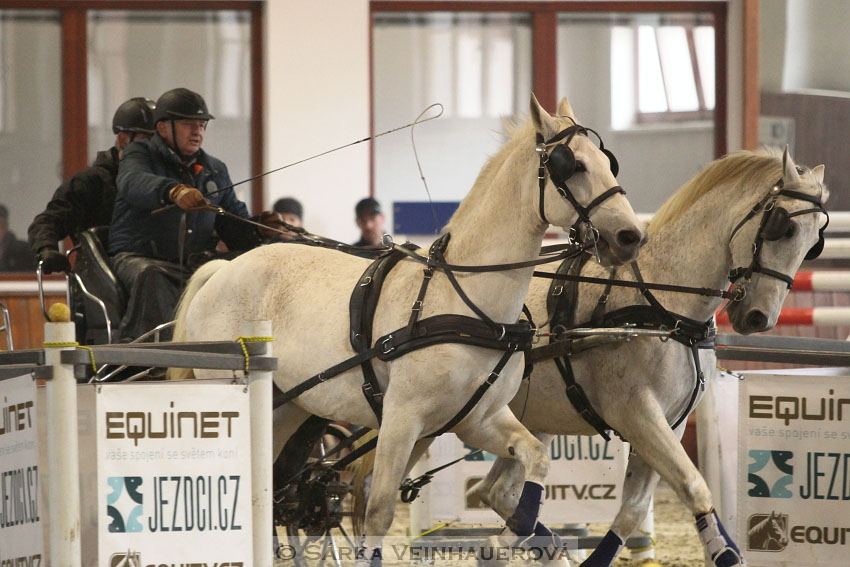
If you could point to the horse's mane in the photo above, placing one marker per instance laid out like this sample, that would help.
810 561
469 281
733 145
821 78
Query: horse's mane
750 170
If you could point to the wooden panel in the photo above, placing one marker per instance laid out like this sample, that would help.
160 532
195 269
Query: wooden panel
544 59
820 125
74 106
751 75
27 319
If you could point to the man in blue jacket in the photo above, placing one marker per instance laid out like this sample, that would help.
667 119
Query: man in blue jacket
153 253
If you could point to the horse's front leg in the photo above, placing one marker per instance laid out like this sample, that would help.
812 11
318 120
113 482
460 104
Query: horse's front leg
503 435
638 489
642 422
397 436
500 489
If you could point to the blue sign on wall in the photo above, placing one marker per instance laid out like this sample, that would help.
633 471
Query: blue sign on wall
418 217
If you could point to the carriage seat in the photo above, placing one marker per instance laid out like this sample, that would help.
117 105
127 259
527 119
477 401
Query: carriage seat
94 268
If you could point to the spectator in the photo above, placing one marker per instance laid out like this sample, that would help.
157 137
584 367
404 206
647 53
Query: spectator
291 212
15 255
370 221
86 199
152 254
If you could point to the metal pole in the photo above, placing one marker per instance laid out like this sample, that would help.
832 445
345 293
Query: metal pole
62 455
260 399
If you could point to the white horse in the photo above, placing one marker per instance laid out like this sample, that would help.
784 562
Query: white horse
305 290
642 386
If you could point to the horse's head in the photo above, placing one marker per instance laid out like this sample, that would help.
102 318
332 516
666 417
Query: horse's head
776 527
770 243
579 190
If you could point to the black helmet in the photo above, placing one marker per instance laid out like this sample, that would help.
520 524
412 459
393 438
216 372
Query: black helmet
181 103
134 115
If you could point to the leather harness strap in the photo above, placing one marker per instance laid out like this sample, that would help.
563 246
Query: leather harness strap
361 308
417 334
689 332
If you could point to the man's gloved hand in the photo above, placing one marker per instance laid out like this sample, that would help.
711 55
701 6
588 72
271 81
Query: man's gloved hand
54 261
186 197
273 220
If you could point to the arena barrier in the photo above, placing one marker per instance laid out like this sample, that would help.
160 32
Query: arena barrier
130 506
825 316
773 449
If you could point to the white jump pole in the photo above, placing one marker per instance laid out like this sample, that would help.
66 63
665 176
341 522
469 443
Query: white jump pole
260 398
62 455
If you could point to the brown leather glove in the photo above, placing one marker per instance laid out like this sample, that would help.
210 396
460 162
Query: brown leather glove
273 220
186 197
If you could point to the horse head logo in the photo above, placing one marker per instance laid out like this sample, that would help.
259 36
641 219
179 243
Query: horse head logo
767 532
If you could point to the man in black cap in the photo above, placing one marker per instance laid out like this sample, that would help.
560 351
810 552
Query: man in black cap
86 199
291 211
153 253
370 221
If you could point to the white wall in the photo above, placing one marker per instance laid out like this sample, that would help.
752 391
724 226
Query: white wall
817 47
317 98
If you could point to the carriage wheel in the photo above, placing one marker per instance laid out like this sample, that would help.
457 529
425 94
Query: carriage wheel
314 531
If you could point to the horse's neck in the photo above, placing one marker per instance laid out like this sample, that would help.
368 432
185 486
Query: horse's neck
497 227
692 251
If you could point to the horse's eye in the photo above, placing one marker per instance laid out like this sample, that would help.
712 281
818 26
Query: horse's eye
791 230
580 166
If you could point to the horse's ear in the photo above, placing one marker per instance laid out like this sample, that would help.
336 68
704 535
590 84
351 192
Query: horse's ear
543 121
818 173
789 168
565 109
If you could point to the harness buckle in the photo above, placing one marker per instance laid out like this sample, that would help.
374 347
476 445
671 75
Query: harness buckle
492 377
603 299
417 305
366 281
322 377
386 345
558 290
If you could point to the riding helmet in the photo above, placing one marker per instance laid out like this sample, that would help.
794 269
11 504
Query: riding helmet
181 103
134 115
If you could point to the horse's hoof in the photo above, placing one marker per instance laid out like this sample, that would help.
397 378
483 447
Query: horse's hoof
719 547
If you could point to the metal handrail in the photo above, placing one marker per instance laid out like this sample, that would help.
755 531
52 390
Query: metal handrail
155 333
7 326
97 300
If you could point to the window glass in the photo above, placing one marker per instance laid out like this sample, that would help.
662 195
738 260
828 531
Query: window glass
30 113
145 53
704 44
678 65
609 67
478 65
651 94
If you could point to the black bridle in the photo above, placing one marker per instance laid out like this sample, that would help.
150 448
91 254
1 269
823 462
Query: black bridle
775 224
561 165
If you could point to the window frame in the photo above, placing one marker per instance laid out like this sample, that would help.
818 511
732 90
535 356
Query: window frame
703 113
544 22
74 64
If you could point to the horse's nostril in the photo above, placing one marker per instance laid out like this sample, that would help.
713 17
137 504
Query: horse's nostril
628 238
756 320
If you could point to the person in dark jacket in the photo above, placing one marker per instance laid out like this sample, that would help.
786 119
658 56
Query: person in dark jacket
86 199
15 255
154 245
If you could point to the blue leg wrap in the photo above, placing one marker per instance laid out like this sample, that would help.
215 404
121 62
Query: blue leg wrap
524 518
717 542
606 552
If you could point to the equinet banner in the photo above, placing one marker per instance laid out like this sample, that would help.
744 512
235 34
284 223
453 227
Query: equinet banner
794 470
20 486
174 474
